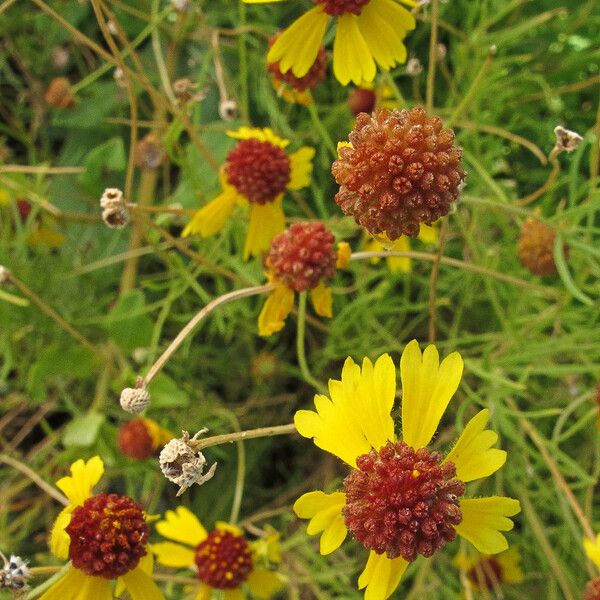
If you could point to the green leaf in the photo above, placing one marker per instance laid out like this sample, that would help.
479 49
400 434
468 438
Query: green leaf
127 324
165 393
100 163
83 430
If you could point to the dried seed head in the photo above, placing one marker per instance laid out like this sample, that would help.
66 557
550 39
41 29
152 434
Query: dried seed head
182 464
149 153
14 573
303 256
536 248
60 57
59 94
414 67
361 100
566 140
120 78
5 275
592 590
400 169
115 212
135 400
228 109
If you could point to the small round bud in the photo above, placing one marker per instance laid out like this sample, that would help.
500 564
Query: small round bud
182 464
59 93
60 57
414 67
134 400
228 109
536 248
115 211
149 153
120 78
566 140
441 51
361 100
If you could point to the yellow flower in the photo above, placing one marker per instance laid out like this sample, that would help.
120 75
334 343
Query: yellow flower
427 234
592 549
92 547
257 172
488 572
367 32
301 259
401 499
223 559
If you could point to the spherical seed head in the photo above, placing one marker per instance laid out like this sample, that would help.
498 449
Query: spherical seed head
302 256
361 100
135 440
260 171
536 248
340 7
224 560
134 400
313 77
149 153
108 536
402 502
486 573
592 590
401 170
59 94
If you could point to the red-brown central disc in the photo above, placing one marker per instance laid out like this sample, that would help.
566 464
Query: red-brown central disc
260 171
108 536
402 502
224 560
339 7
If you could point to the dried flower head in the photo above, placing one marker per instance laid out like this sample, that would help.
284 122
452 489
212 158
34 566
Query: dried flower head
182 464
414 67
149 153
536 247
400 169
228 109
592 590
59 93
361 100
135 400
115 212
14 573
120 79
566 140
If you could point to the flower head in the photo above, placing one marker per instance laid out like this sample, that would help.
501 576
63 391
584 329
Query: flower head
294 89
302 258
367 32
488 572
223 558
401 499
400 169
257 172
141 438
592 589
106 538
536 247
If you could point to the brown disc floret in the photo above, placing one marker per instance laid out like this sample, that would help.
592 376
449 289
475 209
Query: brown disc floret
400 170
335 8
402 502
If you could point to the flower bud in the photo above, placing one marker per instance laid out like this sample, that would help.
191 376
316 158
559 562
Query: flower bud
134 400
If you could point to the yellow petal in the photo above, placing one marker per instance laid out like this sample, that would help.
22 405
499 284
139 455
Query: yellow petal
484 519
235 594
211 217
263 583
322 300
297 47
204 593
592 549
59 538
146 564
301 168
264 134
382 34
510 563
397 16
85 475
76 585
173 555
266 221
399 263
224 526
159 435
428 234
267 548
427 387
343 255
140 585
325 514
182 526
381 576
473 454
357 418
275 310
352 60
44 236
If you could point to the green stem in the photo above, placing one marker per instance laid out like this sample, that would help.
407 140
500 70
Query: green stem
314 115
306 374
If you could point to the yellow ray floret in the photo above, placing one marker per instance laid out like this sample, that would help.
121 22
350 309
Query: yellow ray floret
183 526
264 134
592 549
473 454
352 60
275 310
76 585
301 168
381 576
84 476
325 514
266 221
263 583
484 519
322 300
427 387
173 555
211 218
